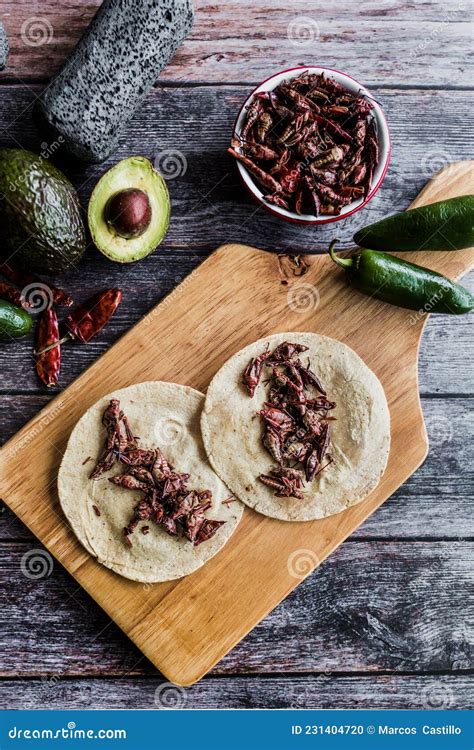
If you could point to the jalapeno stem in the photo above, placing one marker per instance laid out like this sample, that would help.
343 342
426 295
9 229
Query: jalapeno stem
343 262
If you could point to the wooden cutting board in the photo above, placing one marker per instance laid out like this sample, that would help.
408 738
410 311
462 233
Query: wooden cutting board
237 295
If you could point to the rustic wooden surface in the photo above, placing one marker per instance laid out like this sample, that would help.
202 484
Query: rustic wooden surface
218 315
400 636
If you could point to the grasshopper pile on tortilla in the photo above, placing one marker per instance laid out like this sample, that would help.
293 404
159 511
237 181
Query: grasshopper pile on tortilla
156 476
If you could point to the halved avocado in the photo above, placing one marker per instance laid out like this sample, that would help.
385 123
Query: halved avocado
129 210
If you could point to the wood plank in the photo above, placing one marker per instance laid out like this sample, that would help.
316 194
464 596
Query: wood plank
371 607
237 40
209 205
199 223
446 353
392 691
436 502
312 691
185 645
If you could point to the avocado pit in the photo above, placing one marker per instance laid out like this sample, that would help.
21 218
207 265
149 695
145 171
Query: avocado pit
129 212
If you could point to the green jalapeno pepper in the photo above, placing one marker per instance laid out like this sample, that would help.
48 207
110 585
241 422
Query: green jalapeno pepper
14 321
446 225
394 280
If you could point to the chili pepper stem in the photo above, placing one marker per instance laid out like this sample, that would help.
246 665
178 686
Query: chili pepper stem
67 337
343 262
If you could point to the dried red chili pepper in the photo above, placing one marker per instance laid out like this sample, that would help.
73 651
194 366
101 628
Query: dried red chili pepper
88 319
358 173
8 292
48 364
24 278
299 201
312 194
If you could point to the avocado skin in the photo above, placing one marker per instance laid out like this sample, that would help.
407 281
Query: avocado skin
14 321
40 213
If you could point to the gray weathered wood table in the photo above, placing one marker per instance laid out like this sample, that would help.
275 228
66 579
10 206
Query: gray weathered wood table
384 622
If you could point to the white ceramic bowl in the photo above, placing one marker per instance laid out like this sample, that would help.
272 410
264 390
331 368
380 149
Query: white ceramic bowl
383 139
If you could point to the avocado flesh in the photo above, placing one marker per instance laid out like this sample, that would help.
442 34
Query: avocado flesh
41 222
134 172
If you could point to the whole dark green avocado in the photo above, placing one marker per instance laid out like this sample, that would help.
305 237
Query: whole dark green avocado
40 216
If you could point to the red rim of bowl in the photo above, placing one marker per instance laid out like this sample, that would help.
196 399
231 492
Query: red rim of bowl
316 221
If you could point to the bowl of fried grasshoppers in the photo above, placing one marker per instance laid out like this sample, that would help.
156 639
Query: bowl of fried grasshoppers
312 145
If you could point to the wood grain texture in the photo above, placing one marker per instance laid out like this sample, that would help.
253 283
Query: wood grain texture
209 205
186 643
311 691
240 40
381 43
371 607
447 345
